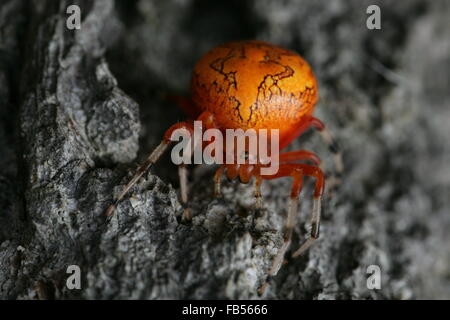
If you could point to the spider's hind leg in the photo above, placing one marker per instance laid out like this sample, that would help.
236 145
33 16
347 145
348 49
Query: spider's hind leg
315 228
297 171
333 180
288 229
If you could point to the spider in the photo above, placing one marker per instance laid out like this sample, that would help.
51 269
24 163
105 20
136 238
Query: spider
255 85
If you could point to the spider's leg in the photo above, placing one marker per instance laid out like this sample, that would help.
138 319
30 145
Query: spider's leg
311 122
299 155
218 181
315 220
296 171
333 146
315 227
154 156
289 226
207 120
258 197
183 176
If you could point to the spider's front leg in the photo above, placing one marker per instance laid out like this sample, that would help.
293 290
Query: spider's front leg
207 119
208 122
296 171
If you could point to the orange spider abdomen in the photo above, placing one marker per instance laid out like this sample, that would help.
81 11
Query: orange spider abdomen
254 84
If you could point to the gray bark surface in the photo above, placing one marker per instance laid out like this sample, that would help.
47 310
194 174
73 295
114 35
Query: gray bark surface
80 108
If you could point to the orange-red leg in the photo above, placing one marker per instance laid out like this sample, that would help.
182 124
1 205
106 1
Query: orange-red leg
245 173
297 171
292 156
258 197
183 178
232 171
218 181
208 122
333 146
206 117
299 155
